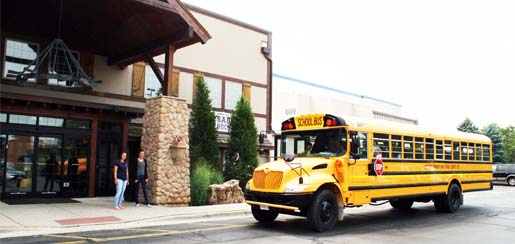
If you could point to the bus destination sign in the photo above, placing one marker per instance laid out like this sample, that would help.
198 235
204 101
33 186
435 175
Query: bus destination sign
309 121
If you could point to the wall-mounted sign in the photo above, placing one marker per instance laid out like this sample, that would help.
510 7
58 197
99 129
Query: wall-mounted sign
222 121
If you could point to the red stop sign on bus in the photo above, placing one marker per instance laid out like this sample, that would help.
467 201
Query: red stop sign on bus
378 167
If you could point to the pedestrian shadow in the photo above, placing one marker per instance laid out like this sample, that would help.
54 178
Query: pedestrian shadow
382 220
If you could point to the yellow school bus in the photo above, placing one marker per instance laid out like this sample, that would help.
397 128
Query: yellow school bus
329 163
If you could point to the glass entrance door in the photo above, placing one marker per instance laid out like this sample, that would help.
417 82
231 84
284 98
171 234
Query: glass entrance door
49 167
19 164
107 152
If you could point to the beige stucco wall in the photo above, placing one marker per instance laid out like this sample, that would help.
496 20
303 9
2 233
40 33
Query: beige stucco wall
260 124
114 80
232 51
258 99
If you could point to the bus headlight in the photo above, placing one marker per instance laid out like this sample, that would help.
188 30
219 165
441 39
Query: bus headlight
247 186
295 188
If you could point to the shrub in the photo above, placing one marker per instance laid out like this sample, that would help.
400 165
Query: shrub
202 177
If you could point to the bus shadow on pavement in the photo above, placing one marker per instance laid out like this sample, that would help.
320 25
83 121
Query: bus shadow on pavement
384 220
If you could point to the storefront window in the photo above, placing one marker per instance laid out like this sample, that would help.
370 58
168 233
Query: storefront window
19 163
22 119
3 117
215 91
3 141
233 92
77 124
18 55
46 121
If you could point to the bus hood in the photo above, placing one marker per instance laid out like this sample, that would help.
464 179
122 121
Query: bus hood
279 176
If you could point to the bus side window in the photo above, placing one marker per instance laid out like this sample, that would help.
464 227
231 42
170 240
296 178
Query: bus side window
486 152
430 147
363 149
381 145
456 150
448 150
471 151
464 151
408 147
419 148
479 152
396 146
439 149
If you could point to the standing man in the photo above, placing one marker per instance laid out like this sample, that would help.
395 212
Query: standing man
141 177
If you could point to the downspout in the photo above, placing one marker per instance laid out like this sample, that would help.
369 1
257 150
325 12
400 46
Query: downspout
267 53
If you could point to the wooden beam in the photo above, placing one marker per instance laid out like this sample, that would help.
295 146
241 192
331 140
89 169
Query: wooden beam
152 48
93 158
168 78
157 71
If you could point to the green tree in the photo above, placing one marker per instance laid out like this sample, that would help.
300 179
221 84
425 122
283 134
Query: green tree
242 142
508 140
493 131
203 134
468 126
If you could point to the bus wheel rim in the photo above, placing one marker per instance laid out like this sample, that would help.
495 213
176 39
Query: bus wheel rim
326 211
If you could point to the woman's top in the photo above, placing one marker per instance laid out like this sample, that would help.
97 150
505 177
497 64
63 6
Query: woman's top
122 170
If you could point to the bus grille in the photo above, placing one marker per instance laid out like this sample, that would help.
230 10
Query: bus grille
270 181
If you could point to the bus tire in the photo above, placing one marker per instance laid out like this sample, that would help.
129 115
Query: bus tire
264 216
323 212
402 204
511 180
451 202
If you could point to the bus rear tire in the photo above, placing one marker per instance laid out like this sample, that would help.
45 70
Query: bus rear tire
264 216
451 202
323 212
402 204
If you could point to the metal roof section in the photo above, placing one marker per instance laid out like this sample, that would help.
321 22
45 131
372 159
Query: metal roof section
334 89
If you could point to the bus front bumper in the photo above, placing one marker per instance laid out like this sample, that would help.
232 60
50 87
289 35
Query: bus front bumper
289 202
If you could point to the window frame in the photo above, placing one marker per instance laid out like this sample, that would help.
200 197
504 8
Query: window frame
5 54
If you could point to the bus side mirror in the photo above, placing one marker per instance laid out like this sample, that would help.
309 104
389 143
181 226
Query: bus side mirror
354 151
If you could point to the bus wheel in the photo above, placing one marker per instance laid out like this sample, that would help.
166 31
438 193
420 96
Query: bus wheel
264 216
511 181
323 212
451 202
402 204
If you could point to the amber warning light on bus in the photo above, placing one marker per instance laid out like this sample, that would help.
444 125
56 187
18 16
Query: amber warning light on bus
288 125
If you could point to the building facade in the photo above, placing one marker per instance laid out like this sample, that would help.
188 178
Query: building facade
67 100
294 96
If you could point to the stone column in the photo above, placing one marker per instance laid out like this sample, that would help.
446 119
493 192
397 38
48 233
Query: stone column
165 141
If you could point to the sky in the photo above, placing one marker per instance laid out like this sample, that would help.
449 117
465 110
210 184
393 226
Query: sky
441 60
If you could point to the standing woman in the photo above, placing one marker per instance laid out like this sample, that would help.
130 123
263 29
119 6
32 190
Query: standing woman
121 174
141 177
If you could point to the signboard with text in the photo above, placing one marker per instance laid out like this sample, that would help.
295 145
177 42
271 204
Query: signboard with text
222 121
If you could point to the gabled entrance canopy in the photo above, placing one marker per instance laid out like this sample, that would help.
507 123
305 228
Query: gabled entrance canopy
125 31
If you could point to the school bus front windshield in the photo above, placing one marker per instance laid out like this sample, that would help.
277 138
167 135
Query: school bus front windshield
315 143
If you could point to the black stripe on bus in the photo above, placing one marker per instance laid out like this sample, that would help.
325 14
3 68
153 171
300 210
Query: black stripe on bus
433 172
357 188
480 189
432 161
475 181
432 194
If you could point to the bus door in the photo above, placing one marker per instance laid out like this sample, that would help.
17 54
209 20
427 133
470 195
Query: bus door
358 168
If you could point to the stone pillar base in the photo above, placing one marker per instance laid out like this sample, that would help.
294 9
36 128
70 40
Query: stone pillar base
165 141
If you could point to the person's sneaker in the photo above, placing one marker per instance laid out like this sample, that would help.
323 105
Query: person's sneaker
122 207
149 206
137 204
117 208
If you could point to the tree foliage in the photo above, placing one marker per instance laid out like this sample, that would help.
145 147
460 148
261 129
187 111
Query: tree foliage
242 142
468 126
508 139
202 127
493 131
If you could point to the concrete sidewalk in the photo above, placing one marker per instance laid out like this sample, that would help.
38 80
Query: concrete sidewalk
98 214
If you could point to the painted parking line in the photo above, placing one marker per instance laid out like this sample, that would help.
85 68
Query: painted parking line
157 233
